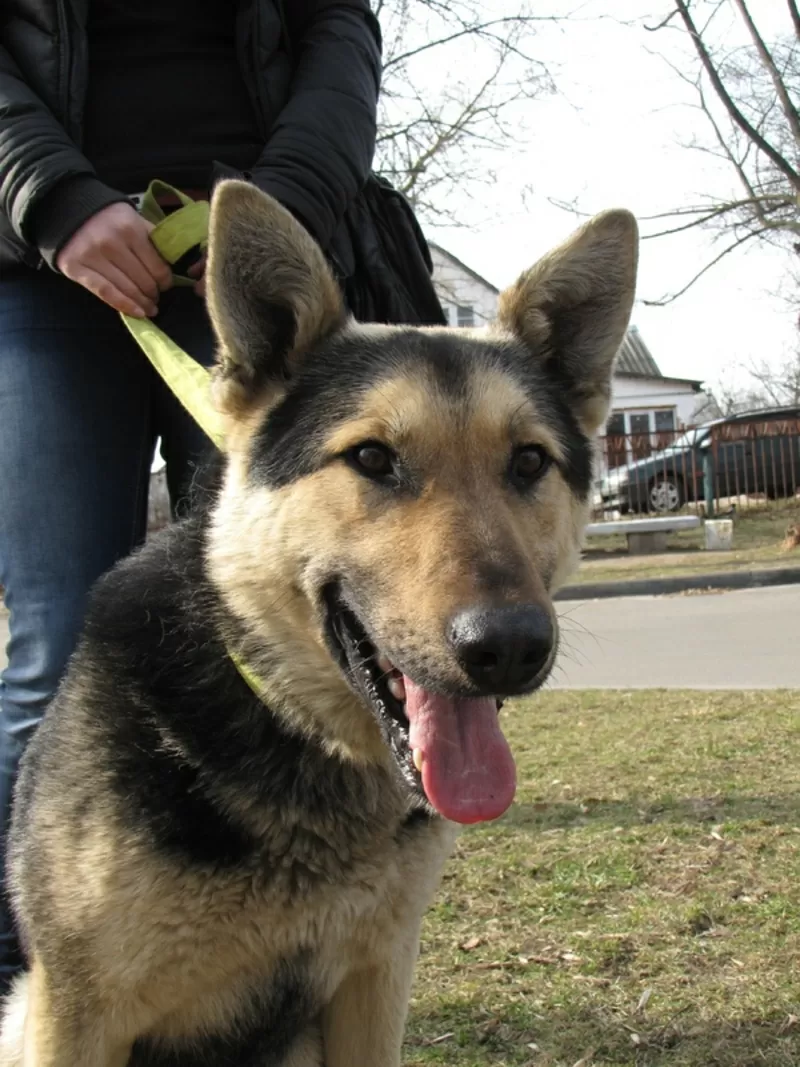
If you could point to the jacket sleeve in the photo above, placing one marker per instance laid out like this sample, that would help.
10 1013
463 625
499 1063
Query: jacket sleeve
48 189
320 151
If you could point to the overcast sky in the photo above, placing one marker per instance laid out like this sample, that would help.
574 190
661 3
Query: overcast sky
610 137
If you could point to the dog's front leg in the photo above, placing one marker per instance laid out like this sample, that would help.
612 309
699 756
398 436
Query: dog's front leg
364 1022
60 1034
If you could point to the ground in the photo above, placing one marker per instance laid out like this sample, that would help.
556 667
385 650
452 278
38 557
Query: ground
639 905
758 538
748 639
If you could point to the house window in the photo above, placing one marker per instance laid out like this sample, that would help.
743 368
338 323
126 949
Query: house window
641 445
616 423
640 423
465 316
614 445
665 420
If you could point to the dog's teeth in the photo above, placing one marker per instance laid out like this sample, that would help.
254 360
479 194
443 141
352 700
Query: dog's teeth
416 755
385 664
397 687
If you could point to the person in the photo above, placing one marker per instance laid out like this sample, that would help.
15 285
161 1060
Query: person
98 98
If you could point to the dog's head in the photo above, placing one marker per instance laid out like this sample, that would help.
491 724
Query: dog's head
400 504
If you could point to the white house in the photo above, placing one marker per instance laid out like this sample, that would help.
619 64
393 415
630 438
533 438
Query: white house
467 298
644 401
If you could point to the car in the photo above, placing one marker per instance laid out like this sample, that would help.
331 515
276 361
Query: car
755 452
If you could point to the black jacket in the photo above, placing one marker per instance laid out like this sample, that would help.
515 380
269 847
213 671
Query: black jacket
320 128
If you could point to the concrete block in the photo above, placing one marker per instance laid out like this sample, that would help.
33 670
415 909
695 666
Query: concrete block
719 535
640 544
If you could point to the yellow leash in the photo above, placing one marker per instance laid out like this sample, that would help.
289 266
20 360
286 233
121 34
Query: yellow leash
174 235
252 679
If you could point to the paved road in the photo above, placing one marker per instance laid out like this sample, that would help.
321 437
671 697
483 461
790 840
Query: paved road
742 640
749 639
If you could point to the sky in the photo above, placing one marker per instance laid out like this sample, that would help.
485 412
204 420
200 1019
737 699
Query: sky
612 136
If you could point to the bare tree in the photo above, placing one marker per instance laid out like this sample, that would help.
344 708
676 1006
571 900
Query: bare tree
455 73
778 385
764 385
748 93
731 398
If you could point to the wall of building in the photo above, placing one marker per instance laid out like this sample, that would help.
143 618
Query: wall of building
644 394
457 288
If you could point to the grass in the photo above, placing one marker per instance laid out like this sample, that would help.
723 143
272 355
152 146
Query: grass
640 903
758 538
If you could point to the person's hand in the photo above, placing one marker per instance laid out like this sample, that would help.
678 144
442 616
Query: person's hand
113 257
198 271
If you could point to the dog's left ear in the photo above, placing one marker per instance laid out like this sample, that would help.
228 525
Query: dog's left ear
271 294
573 307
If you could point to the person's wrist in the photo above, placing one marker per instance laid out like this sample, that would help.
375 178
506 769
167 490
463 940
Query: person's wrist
58 216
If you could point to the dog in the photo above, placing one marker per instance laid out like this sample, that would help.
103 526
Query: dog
236 810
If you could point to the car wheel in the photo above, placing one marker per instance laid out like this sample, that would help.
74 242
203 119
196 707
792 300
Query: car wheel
666 494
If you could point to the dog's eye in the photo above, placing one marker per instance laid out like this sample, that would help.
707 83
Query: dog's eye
528 464
372 459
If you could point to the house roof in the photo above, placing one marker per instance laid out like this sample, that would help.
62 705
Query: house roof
635 358
463 266
695 383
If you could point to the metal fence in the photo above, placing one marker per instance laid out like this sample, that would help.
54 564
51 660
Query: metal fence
700 469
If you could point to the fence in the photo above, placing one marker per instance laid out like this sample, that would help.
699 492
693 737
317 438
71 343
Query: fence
734 464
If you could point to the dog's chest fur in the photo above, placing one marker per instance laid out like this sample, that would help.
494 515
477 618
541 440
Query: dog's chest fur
261 956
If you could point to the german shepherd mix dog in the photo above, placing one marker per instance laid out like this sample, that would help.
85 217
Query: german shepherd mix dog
237 808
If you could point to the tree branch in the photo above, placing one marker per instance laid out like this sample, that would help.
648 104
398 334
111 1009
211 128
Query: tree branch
726 99
665 300
769 202
735 163
660 25
778 391
435 138
477 29
769 63
795 13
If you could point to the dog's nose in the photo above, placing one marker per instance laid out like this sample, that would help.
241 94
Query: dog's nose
502 649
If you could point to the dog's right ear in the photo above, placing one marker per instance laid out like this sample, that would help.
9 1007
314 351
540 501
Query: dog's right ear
572 310
271 294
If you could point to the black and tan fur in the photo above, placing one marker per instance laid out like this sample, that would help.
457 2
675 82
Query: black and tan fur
207 876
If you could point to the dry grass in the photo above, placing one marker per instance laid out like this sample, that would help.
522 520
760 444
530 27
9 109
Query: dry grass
639 905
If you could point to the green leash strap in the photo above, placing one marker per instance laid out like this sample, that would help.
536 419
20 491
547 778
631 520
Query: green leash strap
173 236
252 680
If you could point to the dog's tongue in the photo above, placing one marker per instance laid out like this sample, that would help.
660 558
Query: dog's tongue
468 771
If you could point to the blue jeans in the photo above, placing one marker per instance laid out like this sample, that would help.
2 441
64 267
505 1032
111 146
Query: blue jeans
80 412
